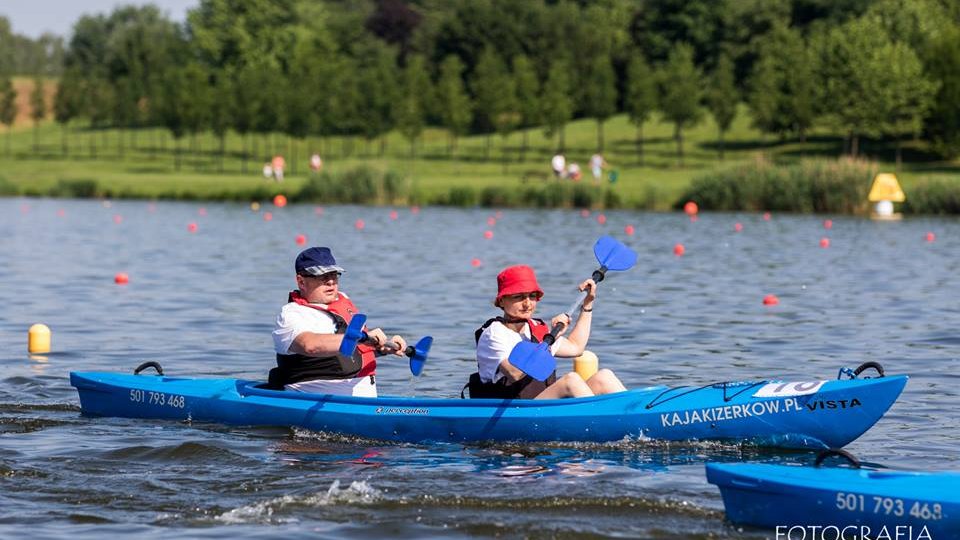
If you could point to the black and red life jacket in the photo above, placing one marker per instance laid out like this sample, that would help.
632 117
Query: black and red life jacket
293 368
525 388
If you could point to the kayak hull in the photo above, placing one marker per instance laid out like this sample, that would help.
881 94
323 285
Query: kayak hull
781 496
832 414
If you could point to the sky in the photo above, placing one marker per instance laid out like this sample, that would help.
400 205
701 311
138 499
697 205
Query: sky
32 18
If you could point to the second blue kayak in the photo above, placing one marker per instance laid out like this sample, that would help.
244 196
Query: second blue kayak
858 502
803 414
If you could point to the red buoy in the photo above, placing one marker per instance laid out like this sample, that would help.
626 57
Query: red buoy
766 216
279 201
737 227
770 300
475 262
267 216
61 212
202 211
498 214
359 224
679 250
488 234
191 227
584 213
118 219
629 230
415 209
121 278
931 237
393 214
828 224
318 210
491 221
300 239
691 208
824 242
601 219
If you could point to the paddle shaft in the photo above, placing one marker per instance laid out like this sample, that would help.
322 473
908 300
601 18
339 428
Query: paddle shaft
597 277
409 351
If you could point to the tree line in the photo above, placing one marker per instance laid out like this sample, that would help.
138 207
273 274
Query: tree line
882 69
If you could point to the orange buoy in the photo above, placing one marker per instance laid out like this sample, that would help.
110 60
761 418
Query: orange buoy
679 250
121 278
691 208
300 240
770 300
475 262
824 242
267 216
931 237
737 227
629 230
279 200
359 224
191 227
601 219
488 234
828 224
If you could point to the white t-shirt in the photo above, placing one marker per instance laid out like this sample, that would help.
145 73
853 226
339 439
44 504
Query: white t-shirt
295 319
495 345
558 163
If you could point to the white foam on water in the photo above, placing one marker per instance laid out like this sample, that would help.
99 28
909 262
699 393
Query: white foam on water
263 512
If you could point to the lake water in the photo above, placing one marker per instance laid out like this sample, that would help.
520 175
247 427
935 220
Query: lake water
203 304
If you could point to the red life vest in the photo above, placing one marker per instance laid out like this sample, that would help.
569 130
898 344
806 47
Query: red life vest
293 368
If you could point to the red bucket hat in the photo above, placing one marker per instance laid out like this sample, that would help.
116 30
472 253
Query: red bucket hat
517 279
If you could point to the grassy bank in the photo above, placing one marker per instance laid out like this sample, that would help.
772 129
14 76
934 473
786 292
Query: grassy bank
148 163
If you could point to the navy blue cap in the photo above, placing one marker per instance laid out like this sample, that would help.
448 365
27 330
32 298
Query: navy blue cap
316 261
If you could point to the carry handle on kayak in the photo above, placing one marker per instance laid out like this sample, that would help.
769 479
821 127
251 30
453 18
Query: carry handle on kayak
355 334
535 359
839 452
148 364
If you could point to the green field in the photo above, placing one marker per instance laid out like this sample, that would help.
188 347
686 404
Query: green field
142 163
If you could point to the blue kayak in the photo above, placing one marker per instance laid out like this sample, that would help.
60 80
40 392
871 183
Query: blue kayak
806 414
869 502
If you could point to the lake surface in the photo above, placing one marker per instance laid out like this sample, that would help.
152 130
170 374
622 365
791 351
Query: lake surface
203 304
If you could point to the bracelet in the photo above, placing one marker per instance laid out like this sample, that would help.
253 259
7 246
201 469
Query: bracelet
586 310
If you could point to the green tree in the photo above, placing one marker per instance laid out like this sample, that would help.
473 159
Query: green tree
67 104
221 104
528 97
641 95
491 95
8 106
782 85
557 103
601 93
722 97
942 62
456 111
38 110
681 92
378 80
907 91
411 107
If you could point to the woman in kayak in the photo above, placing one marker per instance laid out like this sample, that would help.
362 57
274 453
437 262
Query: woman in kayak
310 328
517 295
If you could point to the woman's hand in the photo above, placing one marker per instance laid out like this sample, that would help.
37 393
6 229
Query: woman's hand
563 320
591 287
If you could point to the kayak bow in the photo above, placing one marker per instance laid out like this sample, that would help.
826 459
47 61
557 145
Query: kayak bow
813 414
766 495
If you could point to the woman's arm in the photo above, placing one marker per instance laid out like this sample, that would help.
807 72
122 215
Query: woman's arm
573 344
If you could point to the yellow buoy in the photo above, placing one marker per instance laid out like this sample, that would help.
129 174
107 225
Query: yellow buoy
38 339
255 206
886 188
586 365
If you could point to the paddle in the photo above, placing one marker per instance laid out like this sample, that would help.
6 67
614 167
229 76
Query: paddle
535 359
355 334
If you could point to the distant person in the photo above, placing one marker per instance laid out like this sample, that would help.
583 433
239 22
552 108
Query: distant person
597 164
316 163
278 164
573 172
559 164
309 330
518 294
267 170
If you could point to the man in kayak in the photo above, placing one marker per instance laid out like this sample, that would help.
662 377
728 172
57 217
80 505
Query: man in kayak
309 330
517 295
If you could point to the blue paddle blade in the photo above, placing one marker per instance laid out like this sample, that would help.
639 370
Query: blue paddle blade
534 359
353 334
419 357
613 254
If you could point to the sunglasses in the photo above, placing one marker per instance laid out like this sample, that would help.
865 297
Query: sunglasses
520 297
